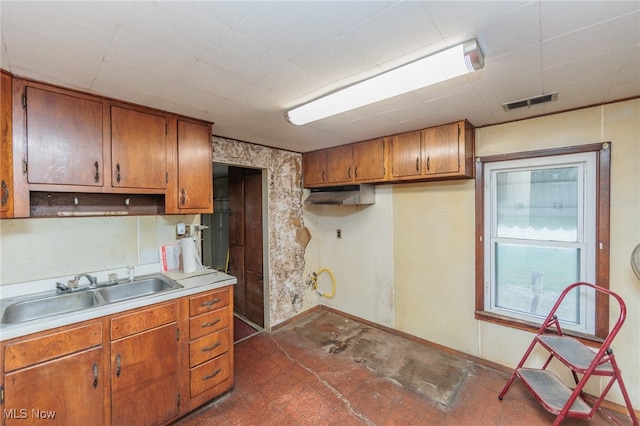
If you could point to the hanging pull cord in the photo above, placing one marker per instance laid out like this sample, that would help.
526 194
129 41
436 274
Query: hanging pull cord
314 283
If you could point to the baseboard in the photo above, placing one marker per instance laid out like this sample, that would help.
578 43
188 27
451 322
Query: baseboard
295 318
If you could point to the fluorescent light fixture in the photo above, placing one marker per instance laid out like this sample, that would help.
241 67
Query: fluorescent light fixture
453 62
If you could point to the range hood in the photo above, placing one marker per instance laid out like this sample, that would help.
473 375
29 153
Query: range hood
342 195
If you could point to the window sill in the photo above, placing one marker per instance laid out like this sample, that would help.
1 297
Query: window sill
587 339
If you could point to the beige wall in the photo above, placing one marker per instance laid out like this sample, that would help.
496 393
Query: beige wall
432 243
39 249
361 260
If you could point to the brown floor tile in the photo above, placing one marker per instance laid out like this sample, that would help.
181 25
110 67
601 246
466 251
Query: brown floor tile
285 378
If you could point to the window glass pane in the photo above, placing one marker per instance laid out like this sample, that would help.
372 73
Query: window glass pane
538 204
529 279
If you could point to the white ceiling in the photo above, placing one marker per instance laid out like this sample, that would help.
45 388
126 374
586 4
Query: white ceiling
243 64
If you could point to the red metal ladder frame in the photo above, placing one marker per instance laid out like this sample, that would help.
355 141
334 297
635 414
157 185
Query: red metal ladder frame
579 359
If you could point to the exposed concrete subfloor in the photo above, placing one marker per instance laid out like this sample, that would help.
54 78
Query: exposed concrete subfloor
325 369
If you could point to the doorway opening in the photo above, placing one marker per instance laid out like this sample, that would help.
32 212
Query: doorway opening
234 239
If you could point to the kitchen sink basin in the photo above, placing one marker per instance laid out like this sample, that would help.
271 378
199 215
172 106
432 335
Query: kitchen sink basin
141 287
47 306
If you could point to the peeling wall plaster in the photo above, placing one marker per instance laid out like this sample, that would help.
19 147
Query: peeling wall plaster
286 235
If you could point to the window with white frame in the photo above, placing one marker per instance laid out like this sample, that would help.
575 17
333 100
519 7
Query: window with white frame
540 234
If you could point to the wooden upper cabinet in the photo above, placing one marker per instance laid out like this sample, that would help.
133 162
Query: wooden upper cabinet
313 166
195 178
6 148
440 150
64 138
447 151
369 161
339 166
405 155
138 149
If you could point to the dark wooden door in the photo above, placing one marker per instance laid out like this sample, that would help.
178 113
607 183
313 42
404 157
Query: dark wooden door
253 277
245 242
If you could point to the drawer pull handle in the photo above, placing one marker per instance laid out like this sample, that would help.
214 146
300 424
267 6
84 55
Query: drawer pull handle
212 375
95 375
118 365
210 303
209 324
210 348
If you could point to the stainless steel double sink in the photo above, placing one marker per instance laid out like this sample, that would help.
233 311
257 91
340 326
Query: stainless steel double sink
19 310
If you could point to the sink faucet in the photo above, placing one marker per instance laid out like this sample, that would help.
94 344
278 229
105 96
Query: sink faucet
93 281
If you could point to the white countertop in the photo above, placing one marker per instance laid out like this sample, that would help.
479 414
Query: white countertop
192 283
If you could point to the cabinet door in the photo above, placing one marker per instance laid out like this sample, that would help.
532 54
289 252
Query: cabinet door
339 164
368 160
195 179
64 391
6 148
138 149
313 167
144 382
441 150
405 155
64 139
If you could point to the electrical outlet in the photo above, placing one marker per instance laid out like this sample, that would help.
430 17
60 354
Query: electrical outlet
338 233
180 230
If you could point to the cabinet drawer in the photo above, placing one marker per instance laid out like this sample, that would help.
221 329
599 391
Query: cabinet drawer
210 374
40 349
208 323
142 320
208 347
208 302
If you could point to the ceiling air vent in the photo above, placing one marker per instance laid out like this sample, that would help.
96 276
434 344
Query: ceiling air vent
530 101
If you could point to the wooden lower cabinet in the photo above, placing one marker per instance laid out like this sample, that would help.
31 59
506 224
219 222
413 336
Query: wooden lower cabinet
147 366
210 346
144 367
55 378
